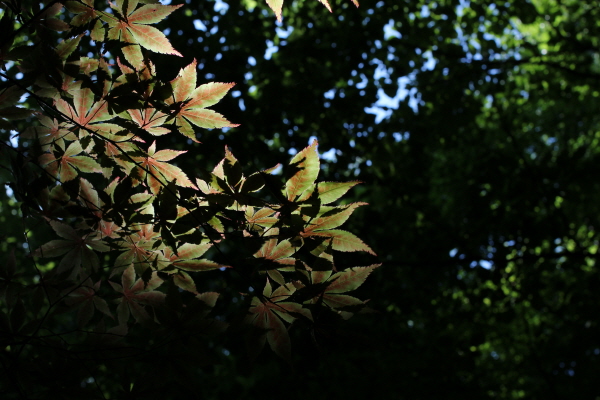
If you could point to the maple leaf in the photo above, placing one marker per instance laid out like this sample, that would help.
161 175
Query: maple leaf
131 26
274 256
150 120
49 134
338 283
52 202
77 249
227 186
188 258
65 165
157 172
277 254
65 48
88 196
344 241
84 10
189 102
61 84
327 192
44 19
135 295
85 295
268 313
86 114
263 217
304 169
120 153
329 218
139 247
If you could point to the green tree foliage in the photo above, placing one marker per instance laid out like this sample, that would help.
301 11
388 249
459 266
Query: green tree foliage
128 252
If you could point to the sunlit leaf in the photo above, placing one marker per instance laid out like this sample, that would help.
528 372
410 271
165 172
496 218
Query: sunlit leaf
303 171
191 102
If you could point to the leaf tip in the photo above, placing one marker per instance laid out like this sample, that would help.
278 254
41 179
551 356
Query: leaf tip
326 4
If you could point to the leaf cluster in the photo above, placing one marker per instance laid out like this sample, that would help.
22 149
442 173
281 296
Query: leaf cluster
134 236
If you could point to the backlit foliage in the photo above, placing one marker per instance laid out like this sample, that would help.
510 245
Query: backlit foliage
134 233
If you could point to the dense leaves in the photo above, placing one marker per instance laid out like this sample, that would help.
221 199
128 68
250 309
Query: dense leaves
135 232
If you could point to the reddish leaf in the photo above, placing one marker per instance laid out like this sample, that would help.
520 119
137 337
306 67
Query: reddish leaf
150 120
262 217
278 252
50 133
131 26
158 173
191 102
137 294
187 258
86 113
269 313
139 248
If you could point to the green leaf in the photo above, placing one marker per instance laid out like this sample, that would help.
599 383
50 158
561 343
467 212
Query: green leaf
84 10
330 219
304 169
185 281
198 265
344 241
66 47
332 191
349 279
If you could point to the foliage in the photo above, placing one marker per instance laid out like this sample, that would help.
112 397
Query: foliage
482 176
474 129
479 153
135 236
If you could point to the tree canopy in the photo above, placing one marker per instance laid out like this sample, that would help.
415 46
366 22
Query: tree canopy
473 127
